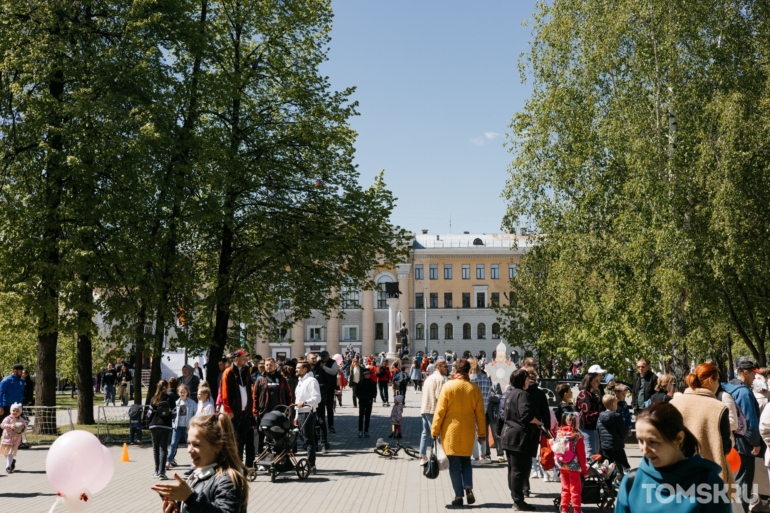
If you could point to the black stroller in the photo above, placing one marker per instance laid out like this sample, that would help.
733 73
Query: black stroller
280 440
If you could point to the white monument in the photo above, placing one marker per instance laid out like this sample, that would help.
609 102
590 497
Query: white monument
500 369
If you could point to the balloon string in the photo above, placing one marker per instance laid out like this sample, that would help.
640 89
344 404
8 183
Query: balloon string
58 500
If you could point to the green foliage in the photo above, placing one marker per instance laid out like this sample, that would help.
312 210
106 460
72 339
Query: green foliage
641 159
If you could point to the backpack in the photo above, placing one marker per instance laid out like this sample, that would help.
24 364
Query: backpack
742 424
381 372
563 448
163 409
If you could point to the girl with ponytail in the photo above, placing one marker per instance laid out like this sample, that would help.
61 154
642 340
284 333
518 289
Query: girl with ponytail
217 485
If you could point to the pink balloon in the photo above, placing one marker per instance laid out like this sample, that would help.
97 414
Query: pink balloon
104 477
69 464
338 358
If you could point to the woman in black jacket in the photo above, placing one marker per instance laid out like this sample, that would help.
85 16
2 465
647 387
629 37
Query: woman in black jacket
217 484
589 405
161 407
519 437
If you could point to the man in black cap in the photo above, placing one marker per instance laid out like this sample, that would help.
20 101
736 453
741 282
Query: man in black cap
748 444
320 411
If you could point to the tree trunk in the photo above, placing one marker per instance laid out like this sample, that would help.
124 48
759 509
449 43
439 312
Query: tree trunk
157 356
223 296
139 356
85 379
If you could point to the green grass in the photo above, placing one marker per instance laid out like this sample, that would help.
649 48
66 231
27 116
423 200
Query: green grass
72 402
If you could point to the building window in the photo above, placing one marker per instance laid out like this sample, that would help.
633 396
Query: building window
466 299
478 242
466 271
419 300
447 300
382 296
448 331
466 331
481 300
434 331
350 299
481 331
479 271
494 271
447 271
419 331
284 304
434 271
434 299
379 331
512 271
350 332
495 299
495 331
280 335
418 272
315 334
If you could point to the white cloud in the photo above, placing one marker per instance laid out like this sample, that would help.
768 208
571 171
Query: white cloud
491 135
477 141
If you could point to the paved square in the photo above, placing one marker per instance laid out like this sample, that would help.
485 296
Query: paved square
351 478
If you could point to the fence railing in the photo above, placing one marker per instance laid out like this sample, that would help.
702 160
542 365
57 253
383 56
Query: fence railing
114 426
46 423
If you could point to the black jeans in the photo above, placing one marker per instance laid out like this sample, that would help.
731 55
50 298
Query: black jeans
320 419
364 415
619 458
160 439
417 384
383 386
498 443
330 408
745 478
353 387
306 422
244 438
519 467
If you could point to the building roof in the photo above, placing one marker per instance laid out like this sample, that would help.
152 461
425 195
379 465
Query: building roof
471 240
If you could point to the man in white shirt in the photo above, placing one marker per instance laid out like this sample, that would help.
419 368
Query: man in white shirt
307 397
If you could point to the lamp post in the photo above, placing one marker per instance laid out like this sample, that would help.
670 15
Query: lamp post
425 329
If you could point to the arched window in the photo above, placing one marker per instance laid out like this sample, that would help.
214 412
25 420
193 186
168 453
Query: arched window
382 297
482 331
467 354
349 299
419 331
434 331
495 331
467 331
478 242
448 331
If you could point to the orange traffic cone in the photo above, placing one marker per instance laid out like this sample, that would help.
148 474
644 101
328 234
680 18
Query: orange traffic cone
125 458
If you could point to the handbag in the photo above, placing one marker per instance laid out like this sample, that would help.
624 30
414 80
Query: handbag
430 469
547 460
443 459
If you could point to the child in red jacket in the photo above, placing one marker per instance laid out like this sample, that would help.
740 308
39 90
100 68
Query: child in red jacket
570 455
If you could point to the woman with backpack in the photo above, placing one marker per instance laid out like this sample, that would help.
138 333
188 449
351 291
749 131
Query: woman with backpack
161 426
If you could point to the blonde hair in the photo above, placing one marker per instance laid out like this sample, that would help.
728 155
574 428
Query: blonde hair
182 387
474 365
620 388
205 390
664 381
608 400
532 372
218 431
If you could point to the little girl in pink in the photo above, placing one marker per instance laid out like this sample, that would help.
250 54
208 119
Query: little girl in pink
13 426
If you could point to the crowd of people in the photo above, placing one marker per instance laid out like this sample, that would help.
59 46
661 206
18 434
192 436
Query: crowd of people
709 435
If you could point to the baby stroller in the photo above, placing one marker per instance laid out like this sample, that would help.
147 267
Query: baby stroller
599 487
280 441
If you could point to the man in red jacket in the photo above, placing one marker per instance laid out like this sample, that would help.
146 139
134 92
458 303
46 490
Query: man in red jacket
237 404
383 377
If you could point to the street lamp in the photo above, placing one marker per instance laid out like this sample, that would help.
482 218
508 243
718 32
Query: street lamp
425 329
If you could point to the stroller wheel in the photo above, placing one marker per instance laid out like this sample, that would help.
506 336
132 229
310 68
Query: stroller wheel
252 475
609 504
303 468
273 475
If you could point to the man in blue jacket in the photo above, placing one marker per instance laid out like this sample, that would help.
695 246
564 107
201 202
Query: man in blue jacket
748 444
11 391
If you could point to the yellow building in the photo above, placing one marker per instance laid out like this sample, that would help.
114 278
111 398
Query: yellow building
448 287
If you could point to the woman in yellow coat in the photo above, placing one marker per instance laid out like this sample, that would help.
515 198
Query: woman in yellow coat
459 414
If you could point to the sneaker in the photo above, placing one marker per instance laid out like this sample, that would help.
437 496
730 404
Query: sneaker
486 460
172 463
547 479
313 469
469 497
423 461
457 502
324 449
8 470
13 465
189 471
366 434
155 474
261 468
523 506
360 434
475 463
163 477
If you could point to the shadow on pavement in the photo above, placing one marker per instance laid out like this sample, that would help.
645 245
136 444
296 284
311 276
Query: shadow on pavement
26 495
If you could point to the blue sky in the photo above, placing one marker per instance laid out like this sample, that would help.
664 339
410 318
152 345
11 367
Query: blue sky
437 83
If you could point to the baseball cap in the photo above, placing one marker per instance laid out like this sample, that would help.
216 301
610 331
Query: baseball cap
367 370
597 369
324 353
747 365
239 352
